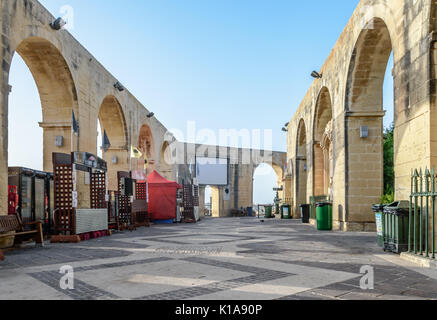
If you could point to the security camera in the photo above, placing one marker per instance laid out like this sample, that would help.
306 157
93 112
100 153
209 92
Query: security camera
316 75
58 24
119 86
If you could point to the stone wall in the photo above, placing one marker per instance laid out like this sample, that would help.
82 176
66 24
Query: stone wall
353 75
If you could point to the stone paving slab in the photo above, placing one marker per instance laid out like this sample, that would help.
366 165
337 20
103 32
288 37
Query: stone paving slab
231 259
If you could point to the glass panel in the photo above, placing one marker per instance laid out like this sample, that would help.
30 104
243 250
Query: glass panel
39 199
26 199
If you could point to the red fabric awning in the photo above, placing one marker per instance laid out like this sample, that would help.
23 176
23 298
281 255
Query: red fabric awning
157 180
162 197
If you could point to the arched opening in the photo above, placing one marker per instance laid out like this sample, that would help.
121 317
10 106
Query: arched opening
323 147
112 121
364 120
25 135
301 167
166 160
266 177
58 98
208 201
146 145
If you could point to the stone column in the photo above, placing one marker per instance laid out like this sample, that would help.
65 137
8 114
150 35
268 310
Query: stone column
118 160
52 130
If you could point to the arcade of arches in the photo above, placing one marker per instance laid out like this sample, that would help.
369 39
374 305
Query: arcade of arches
335 139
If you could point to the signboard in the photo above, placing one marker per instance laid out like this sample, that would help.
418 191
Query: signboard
89 160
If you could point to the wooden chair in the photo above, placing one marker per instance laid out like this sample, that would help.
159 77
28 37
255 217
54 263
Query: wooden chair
14 223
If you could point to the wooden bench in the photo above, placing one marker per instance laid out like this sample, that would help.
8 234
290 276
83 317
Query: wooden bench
13 223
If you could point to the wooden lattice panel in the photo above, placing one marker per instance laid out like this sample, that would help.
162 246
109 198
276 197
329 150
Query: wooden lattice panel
188 203
141 191
98 190
63 193
196 196
124 204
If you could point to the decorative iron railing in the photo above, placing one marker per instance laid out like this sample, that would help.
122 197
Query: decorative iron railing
422 228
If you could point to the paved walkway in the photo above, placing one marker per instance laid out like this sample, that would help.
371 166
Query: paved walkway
235 258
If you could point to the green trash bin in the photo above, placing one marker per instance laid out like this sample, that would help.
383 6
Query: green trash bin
396 224
285 212
268 212
312 206
324 216
378 209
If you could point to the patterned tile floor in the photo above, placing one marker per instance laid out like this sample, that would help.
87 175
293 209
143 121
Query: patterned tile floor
232 259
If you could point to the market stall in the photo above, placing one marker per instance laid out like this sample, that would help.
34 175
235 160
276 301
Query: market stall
31 196
80 192
162 197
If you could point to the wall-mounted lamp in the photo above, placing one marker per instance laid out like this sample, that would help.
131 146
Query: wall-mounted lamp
285 129
364 132
59 141
119 86
316 75
286 125
58 24
150 115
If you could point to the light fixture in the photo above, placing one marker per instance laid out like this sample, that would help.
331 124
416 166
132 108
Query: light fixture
285 129
119 86
286 125
58 24
364 132
59 141
316 75
150 115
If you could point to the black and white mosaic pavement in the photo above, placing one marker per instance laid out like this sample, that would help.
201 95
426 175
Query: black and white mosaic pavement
235 258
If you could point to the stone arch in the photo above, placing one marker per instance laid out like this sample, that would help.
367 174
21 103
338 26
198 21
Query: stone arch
112 120
367 68
278 171
57 91
146 144
166 160
364 111
301 165
322 125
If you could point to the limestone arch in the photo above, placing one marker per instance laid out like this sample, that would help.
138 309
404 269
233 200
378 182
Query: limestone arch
146 144
57 92
166 160
113 121
364 110
323 117
301 165
279 171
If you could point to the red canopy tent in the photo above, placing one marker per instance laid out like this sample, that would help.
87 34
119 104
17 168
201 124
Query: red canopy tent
162 197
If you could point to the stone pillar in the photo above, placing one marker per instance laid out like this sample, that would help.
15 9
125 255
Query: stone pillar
365 169
319 176
118 160
4 95
51 132
215 205
202 201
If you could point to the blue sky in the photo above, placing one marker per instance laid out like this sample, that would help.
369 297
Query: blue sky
225 64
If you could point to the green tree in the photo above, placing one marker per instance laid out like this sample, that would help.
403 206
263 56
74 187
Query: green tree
389 176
